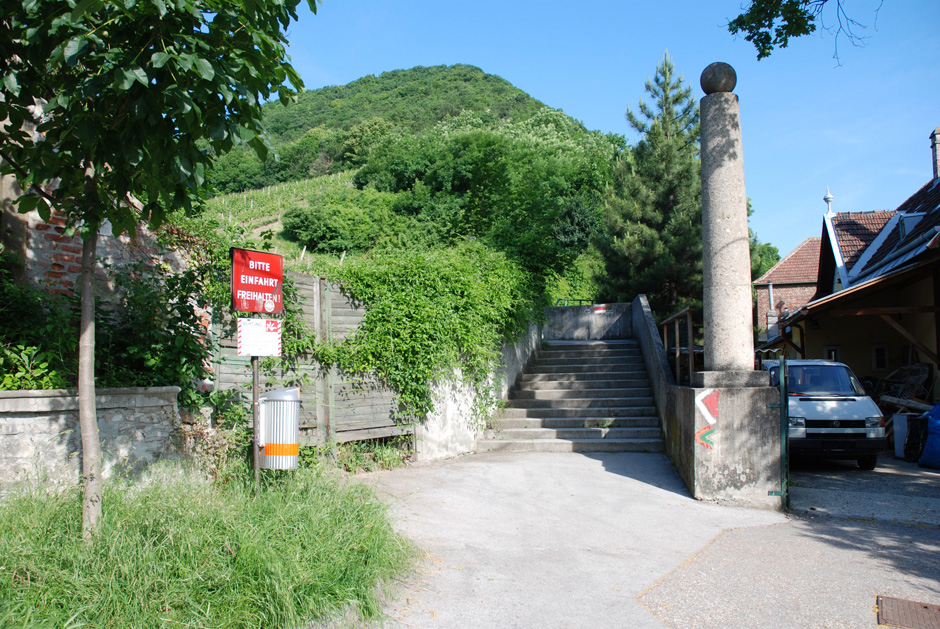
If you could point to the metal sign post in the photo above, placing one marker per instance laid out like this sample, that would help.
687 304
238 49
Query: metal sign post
785 431
255 422
783 378
257 279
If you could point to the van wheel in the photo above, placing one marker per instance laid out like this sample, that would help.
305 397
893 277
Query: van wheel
868 462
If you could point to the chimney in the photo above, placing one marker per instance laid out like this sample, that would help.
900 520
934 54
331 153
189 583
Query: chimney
934 140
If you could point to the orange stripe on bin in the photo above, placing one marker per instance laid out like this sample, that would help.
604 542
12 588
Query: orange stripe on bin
281 449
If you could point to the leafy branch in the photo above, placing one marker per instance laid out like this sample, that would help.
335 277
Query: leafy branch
769 24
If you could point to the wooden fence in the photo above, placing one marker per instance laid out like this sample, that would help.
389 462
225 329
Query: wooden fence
334 406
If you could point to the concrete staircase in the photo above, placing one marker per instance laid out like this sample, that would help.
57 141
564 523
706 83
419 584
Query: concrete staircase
579 396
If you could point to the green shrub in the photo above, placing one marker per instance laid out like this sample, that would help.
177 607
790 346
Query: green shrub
156 337
38 336
374 454
342 219
176 550
25 367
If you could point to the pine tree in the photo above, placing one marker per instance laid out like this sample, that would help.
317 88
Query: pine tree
653 238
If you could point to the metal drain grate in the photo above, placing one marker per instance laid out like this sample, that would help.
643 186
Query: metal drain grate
897 612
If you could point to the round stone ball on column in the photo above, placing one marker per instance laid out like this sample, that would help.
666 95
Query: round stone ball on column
718 77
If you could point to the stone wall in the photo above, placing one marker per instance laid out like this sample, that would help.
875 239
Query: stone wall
40 438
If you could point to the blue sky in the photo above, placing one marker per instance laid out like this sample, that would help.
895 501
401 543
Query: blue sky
860 126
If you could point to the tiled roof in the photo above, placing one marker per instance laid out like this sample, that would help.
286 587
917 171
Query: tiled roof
800 266
926 201
857 230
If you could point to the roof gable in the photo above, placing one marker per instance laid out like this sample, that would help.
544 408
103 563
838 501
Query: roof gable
800 266
857 230
909 236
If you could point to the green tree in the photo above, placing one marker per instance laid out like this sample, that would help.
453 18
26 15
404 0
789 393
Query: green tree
110 106
771 23
763 254
653 215
362 137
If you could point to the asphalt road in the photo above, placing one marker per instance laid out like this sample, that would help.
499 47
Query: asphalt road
896 491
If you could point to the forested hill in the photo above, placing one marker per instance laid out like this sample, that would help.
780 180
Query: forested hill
414 99
435 158
329 130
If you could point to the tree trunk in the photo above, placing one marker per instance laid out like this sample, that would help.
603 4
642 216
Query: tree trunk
87 416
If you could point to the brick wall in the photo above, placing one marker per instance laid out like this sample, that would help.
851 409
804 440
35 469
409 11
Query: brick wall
53 257
788 297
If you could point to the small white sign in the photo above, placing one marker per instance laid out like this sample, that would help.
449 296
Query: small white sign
259 337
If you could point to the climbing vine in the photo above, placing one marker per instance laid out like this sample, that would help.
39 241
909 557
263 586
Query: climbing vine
430 314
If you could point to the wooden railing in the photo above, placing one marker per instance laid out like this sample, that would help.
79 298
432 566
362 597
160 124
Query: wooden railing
685 313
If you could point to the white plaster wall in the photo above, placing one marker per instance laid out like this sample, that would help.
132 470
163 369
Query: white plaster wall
515 357
451 430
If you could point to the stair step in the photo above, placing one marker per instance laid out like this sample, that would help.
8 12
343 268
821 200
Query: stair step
604 376
557 361
598 402
579 393
588 353
582 385
576 368
599 345
570 445
607 412
568 434
584 396
510 423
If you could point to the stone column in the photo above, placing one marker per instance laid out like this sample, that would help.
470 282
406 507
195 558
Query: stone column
735 440
728 316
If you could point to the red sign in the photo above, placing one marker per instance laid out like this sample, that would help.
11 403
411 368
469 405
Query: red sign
256 281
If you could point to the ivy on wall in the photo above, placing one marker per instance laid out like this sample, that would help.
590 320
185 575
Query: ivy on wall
430 314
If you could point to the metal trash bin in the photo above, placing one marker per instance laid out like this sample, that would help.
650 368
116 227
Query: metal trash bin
279 432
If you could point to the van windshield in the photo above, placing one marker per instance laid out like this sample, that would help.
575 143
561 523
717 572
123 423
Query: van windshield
820 380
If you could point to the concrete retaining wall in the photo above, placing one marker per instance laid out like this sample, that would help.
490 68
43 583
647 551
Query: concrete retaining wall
450 430
726 447
40 439
586 323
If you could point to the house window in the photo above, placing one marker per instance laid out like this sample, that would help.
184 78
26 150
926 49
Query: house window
879 357
832 352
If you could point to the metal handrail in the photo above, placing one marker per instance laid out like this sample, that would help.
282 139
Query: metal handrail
675 319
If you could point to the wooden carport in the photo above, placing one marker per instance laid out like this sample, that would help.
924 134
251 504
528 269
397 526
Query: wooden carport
894 302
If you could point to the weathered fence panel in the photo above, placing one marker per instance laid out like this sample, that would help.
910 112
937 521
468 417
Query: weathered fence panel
334 406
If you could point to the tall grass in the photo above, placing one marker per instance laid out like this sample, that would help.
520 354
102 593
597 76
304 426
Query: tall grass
177 551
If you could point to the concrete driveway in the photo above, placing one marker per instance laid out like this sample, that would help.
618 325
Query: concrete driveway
546 540
614 540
